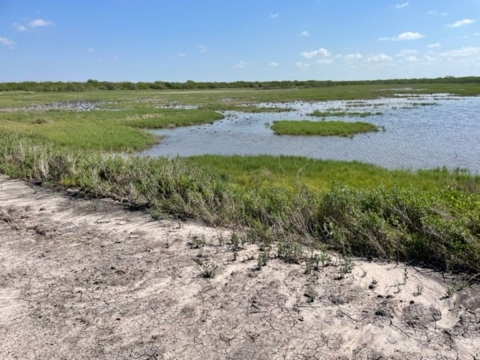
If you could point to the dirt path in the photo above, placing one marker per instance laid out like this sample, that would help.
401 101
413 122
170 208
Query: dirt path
89 279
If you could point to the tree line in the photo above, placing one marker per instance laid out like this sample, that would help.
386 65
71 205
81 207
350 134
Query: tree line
92 85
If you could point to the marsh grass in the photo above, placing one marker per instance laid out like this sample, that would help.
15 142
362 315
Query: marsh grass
320 175
322 128
102 130
343 114
439 228
148 98
430 217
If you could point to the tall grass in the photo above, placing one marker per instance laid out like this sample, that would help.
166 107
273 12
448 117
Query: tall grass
439 229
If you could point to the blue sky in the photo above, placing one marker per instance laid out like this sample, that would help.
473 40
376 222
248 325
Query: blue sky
228 40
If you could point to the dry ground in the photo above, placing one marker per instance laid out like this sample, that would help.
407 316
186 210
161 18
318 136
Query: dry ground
92 280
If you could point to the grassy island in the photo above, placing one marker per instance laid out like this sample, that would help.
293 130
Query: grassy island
343 114
322 128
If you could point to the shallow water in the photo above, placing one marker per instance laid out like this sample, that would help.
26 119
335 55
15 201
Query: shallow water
446 133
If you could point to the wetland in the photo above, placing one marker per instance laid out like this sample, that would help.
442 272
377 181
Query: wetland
187 203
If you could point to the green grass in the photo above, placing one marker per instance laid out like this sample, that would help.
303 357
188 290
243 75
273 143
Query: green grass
431 217
320 175
103 130
343 114
322 128
237 96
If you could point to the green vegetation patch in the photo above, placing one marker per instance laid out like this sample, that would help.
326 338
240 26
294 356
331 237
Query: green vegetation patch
320 175
343 114
322 128
292 91
102 130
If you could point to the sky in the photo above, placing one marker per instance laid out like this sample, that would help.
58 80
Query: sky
230 40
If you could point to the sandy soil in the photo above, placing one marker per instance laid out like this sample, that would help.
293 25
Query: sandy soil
91 279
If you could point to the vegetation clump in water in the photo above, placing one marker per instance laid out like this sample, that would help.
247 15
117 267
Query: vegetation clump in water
322 128
343 114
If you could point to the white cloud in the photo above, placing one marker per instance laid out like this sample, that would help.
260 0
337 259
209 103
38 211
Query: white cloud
305 33
302 65
476 34
433 46
411 59
404 37
400 6
461 23
7 42
19 27
378 58
410 36
202 49
273 64
274 16
242 64
324 61
116 57
355 56
465 51
90 50
182 54
435 13
407 52
312 54
39 23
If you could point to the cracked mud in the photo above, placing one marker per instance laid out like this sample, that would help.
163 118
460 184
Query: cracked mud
84 279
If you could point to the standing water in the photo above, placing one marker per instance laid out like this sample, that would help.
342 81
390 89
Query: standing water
420 132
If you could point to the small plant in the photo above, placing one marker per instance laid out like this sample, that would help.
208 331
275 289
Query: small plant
373 284
290 252
347 266
208 269
310 295
221 239
419 290
197 242
309 265
262 259
462 286
405 275
325 259
450 292
234 239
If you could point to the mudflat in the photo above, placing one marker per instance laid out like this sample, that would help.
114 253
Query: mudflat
93 279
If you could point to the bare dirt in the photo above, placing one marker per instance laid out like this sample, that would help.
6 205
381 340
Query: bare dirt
84 279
